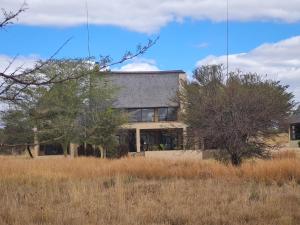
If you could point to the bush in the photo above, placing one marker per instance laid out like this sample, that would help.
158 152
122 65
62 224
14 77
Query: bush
118 152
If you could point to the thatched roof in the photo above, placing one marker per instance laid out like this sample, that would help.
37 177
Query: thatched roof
146 89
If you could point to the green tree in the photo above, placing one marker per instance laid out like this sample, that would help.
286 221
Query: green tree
80 110
237 112
76 110
100 120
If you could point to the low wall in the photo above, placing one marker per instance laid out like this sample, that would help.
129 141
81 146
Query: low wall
294 144
175 154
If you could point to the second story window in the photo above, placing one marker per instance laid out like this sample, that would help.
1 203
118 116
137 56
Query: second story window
152 114
163 114
147 115
167 114
135 115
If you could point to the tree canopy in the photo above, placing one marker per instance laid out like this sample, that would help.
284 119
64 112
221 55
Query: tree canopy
77 110
237 112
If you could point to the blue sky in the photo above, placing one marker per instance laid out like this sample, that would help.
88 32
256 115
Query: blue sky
264 39
180 45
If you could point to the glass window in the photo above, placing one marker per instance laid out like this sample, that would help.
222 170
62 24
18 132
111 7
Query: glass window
172 114
135 115
147 115
167 114
162 114
295 132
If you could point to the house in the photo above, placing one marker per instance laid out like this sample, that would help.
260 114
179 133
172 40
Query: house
149 98
294 130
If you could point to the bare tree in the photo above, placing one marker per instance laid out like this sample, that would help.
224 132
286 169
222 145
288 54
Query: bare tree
10 16
235 114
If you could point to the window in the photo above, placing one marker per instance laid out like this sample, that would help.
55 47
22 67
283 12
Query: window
167 114
147 115
295 132
163 114
135 115
172 114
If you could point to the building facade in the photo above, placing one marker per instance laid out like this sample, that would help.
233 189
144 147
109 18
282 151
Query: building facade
150 100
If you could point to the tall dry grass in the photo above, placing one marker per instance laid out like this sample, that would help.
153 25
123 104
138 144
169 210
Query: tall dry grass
284 167
144 191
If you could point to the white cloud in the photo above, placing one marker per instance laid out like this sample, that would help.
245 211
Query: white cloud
20 63
279 60
10 65
149 16
25 62
140 65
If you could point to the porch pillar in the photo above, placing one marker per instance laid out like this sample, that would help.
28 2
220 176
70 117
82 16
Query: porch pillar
36 146
73 150
138 140
184 137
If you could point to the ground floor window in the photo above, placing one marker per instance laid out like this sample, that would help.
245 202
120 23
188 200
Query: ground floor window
295 131
153 140
160 140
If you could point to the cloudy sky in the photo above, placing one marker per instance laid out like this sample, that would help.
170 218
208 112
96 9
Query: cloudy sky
264 36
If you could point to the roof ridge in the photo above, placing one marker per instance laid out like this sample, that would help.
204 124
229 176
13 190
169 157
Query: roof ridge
146 72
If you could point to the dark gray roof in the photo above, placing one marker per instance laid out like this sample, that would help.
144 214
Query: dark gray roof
146 89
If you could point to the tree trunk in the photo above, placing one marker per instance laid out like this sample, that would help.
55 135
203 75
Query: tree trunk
235 159
29 151
65 149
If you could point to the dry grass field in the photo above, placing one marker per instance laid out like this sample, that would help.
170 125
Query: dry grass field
143 191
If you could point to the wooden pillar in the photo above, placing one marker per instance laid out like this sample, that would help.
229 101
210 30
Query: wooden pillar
138 140
184 137
36 146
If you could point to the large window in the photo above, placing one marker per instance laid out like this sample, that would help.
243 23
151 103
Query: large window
163 114
167 114
147 115
152 114
135 115
141 115
295 131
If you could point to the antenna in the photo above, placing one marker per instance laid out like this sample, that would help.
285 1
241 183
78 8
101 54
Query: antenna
87 28
227 37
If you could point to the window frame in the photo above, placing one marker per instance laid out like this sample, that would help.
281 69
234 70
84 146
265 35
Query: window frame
152 117
167 118
140 114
